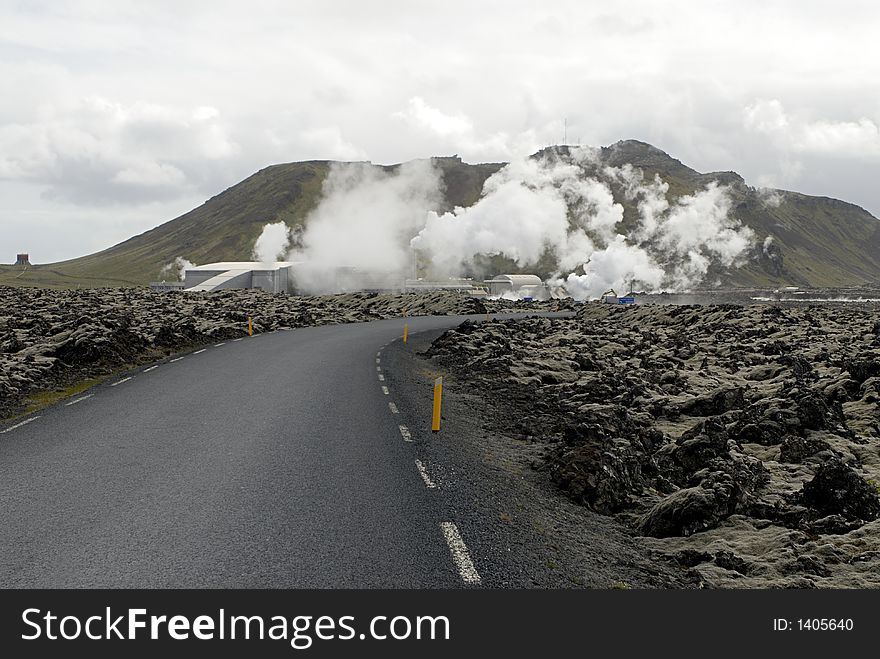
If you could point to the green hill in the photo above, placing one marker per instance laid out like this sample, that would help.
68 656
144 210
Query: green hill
816 241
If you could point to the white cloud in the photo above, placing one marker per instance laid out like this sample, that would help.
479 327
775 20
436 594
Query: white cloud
858 138
96 151
150 174
184 99
422 115
325 143
457 132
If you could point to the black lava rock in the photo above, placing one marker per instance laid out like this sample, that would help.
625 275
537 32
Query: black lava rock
837 489
796 449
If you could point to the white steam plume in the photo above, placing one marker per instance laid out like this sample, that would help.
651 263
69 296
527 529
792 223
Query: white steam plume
770 198
370 219
178 266
273 243
364 221
566 206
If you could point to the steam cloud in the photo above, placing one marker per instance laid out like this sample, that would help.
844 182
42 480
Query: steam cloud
273 242
178 266
365 219
770 198
566 206
555 209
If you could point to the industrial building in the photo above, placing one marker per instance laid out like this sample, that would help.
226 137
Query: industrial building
460 285
22 259
522 286
280 277
272 277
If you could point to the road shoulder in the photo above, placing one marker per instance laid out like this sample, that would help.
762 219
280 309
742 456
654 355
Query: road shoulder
521 531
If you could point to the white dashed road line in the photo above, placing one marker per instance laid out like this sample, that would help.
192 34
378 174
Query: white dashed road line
378 369
378 361
236 340
404 431
176 359
116 384
217 345
78 400
381 378
19 425
152 368
385 390
199 352
459 552
431 485
393 408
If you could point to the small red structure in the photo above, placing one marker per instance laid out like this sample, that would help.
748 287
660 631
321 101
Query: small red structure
22 259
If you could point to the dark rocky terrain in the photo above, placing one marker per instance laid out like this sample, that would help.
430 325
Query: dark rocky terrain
742 442
51 340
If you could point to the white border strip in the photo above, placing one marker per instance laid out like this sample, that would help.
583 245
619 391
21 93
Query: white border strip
404 431
431 485
116 384
19 425
460 554
78 400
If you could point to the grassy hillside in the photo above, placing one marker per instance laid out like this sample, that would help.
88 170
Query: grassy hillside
817 241
225 227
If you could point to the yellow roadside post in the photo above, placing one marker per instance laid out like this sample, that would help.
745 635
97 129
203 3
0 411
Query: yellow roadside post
438 394
250 326
404 333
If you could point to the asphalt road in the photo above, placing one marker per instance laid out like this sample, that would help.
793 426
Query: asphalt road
272 461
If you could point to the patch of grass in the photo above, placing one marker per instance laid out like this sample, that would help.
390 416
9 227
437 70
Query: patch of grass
37 400
873 483
620 585
42 399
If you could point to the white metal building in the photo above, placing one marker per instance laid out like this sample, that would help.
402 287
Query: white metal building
521 285
272 277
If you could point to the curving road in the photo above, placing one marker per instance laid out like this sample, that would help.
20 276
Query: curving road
273 461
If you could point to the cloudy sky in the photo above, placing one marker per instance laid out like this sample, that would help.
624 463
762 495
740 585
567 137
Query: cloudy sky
118 115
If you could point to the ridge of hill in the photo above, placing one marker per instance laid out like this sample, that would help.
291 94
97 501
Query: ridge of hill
817 241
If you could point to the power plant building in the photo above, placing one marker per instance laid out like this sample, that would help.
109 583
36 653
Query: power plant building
271 277
281 277
517 285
